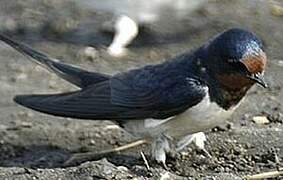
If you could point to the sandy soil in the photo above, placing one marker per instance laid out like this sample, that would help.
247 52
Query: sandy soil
35 145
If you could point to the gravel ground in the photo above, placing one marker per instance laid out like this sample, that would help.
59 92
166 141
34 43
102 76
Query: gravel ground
35 145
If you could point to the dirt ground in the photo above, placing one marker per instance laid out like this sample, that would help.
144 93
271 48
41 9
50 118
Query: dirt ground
35 145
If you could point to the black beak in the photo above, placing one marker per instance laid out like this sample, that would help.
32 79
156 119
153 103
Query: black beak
258 78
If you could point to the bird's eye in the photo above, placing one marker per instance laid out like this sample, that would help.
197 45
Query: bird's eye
238 67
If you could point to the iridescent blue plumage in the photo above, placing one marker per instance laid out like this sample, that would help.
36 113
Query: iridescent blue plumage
187 94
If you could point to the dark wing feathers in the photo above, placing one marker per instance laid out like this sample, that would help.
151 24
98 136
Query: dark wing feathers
163 90
79 77
97 102
160 87
156 91
140 87
90 103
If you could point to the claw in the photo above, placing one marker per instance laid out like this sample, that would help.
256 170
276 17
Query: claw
206 153
165 166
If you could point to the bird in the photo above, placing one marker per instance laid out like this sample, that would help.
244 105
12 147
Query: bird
174 101
128 15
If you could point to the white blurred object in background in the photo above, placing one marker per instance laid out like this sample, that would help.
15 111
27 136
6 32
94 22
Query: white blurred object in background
130 13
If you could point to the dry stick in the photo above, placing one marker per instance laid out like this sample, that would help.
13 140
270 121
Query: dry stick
271 174
80 157
145 160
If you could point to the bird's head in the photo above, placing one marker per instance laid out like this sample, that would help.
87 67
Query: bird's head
237 59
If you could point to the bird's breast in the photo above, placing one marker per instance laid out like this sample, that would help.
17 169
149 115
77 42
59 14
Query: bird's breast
201 117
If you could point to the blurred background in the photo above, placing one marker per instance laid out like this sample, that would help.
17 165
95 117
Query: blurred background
75 33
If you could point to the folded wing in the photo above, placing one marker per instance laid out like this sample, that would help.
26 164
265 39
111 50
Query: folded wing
158 91
74 75
113 100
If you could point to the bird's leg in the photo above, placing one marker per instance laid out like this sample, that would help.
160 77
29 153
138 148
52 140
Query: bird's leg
160 147
185 141
198 139
126 29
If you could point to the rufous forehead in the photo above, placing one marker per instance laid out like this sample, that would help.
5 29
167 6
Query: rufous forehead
255 63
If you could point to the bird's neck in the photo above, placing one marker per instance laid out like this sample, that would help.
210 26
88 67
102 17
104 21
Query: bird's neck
233 88
226 98
232 98
228 92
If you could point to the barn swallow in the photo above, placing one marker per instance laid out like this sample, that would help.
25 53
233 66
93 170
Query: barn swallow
174 100
130 14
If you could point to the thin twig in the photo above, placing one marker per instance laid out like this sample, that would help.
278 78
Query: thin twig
271 174
145 160
81 157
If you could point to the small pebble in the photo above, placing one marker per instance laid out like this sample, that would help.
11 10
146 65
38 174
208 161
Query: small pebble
19 77
280 62
89 53
26 124
260 120
165 176
92 142
122 168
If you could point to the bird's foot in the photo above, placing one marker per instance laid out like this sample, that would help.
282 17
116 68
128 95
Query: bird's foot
197 138
199 141
160 147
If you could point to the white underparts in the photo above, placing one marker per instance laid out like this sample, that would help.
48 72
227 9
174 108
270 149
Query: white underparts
185 128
